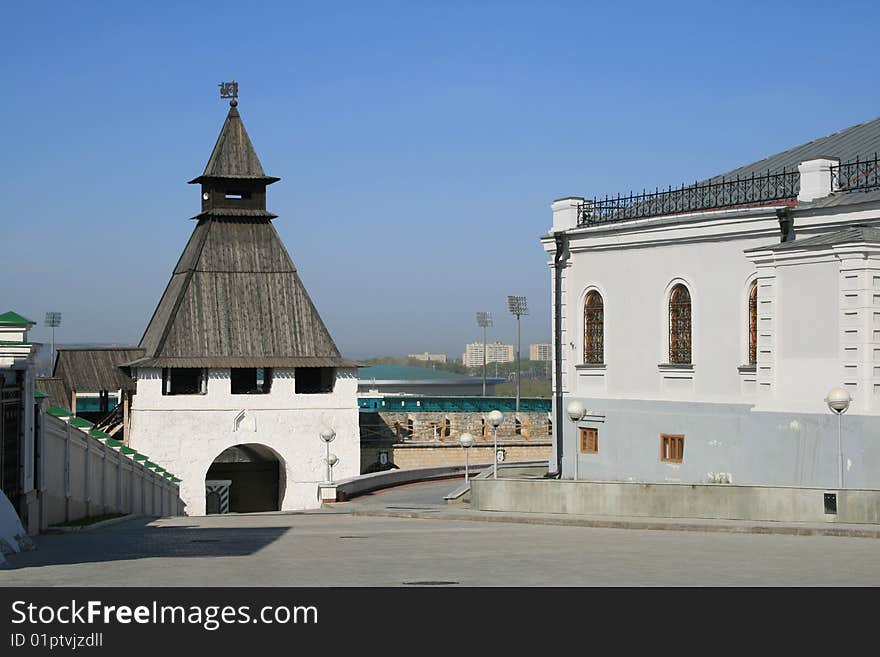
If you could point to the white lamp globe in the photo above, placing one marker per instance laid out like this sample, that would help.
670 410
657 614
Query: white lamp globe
496 418
838 400
332 460
466 440
327 435
575 411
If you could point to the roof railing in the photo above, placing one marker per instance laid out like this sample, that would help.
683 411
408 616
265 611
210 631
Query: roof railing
857 174
713 194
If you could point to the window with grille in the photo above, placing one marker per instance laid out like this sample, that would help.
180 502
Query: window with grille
594 329
184 381
680 326
753 324
671 448
589 439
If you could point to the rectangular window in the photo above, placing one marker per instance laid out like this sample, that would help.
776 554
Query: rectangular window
589 440
314 380
184 381
671 448
250 380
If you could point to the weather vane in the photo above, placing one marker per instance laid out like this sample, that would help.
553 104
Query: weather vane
229 90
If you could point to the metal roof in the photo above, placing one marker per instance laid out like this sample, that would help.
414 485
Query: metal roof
853 234
10 317
857 141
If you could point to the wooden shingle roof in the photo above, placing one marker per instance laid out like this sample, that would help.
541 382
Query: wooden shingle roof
94 369
235 298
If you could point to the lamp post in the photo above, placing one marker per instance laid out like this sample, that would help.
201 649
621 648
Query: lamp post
838 400
327 435
466 440
484 319
576 412
495 419
332 460
518 306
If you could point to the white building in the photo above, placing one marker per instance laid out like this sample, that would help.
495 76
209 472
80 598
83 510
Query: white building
431 358
496 352
541 351
239 375
703 327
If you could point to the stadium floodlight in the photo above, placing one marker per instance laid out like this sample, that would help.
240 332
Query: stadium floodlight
484 319
518 306
53 319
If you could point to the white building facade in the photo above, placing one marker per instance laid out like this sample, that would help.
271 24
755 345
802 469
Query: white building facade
239 376
702 328
541 351
496 352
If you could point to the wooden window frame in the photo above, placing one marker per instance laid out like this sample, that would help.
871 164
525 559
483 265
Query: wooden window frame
588 440
671 447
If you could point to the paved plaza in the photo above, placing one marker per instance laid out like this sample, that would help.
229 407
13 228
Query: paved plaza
340 547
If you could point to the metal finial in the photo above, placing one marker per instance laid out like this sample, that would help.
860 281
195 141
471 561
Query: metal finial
229 90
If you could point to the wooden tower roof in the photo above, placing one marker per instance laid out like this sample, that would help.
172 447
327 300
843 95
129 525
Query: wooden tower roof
235 298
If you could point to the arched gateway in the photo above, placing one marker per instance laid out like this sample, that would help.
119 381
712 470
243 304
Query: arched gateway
245 479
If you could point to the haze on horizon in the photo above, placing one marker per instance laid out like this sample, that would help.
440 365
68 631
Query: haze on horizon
419 147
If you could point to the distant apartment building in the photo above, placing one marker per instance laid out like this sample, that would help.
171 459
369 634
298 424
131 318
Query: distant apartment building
436 358
496 352
541 351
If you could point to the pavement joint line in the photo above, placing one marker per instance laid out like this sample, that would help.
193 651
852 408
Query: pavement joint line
689 526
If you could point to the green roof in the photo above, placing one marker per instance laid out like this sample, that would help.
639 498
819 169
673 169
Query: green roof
113 442
39 394
140 457
14 343
10 317
97 433
81 423
175 480
127 450
150 464
57 411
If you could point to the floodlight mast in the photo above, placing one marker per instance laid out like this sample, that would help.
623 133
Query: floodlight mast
484 319
518 306
53 319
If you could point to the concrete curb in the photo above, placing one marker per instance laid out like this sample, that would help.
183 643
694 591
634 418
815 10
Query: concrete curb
632 523
95 525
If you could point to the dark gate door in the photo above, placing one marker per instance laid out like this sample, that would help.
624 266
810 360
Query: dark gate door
10 443
254 485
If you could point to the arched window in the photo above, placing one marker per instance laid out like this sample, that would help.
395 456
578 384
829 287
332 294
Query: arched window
594 330
680 326
753 324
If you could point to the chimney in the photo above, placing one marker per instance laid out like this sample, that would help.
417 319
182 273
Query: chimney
565 213
816 178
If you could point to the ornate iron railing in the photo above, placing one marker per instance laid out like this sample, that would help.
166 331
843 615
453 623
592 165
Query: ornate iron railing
858 174
754 190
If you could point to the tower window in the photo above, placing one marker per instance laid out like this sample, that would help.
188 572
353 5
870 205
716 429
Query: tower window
184 381
753 324
250 380
671 448
589 439
314 380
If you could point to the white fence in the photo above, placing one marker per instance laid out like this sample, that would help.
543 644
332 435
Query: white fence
81 476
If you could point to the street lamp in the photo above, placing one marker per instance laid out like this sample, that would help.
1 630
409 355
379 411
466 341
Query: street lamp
484 319
518 306
327 435
332 460
495 419
838 400
466 440
576 412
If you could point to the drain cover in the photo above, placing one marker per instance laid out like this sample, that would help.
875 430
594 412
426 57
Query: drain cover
430 582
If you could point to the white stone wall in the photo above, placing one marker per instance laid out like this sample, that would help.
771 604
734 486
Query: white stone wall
800 343
185 433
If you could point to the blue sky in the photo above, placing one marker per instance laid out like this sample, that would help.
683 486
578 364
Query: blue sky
419 143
